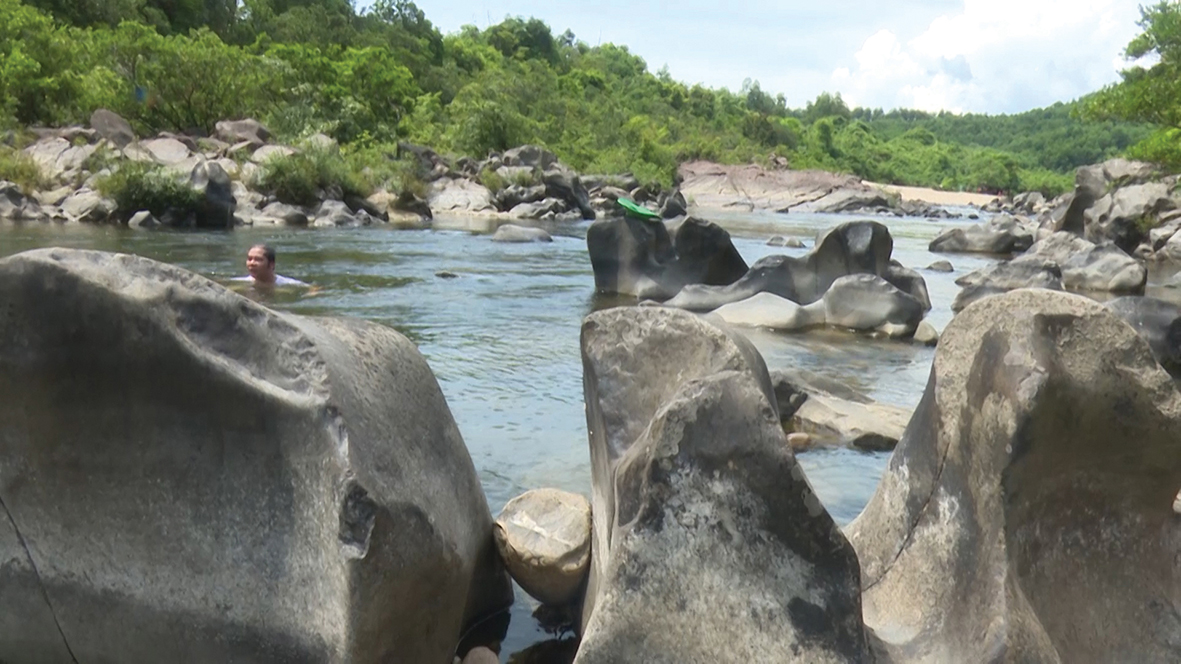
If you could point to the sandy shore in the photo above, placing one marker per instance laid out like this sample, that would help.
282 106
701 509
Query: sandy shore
935 196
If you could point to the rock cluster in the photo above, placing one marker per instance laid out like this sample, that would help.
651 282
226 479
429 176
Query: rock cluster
847 280
531 184
1126 203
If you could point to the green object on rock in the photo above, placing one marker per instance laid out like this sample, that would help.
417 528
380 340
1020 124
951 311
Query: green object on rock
637 209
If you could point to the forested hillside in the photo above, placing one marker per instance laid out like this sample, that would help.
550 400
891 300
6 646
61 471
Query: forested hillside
372 78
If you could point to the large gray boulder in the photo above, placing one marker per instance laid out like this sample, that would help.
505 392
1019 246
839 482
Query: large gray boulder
1027 513
772 312
529 156
215 208
567 186
858 302
1001 234
518 234
846 199
1087 266
243 131
1158 322
190 477
1120 217
459 196
709 544
869 303
1004 277
110 126
649 259
88 206
15 206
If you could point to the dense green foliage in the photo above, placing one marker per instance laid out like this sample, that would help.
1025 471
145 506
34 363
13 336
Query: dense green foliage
300 178
16 166
141 186
1150 94
371 78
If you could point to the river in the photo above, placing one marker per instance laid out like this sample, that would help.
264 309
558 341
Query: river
501 334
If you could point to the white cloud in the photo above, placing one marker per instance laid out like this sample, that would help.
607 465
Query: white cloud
994 56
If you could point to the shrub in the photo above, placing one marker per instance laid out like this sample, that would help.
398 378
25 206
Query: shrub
524 178
1048 182
18 167
492 180
305 177
141 186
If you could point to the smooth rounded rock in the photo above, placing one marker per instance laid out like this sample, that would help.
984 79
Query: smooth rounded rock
481 655
544 538
521 234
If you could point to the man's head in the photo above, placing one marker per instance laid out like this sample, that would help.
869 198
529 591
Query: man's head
260 263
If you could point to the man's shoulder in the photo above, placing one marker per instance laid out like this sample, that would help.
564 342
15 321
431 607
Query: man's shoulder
280 280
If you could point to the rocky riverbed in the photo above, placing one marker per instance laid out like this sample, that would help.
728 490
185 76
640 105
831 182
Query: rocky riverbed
1026 392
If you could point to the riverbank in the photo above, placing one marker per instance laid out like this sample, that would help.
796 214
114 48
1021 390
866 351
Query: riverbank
934 196
711 187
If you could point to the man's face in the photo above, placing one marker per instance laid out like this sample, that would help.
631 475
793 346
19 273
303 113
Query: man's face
258 266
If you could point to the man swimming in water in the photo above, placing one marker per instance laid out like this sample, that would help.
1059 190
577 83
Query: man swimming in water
260 263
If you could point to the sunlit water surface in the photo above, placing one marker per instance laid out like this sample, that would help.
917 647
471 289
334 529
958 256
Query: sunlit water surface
501 334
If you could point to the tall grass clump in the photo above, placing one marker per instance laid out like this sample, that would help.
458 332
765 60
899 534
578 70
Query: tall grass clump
307 177
143 186
18 167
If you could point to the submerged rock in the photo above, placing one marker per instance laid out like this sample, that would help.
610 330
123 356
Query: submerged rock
709 544
869 303
514 233
1002 234
1005 277
1027 513
772 312
211 480
827 413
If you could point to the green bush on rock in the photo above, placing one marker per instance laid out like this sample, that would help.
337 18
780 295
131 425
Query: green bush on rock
307 177
140 186
16 166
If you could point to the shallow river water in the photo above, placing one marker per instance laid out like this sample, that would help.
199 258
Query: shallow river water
502 334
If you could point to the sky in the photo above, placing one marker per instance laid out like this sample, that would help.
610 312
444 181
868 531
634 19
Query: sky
982 56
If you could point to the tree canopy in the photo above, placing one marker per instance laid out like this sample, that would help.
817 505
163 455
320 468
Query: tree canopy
386 74
1150 90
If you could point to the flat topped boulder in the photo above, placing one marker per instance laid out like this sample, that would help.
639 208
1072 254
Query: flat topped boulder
709 544
212 481
1027 512
544 538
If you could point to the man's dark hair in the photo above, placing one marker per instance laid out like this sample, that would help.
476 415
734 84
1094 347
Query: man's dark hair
267 251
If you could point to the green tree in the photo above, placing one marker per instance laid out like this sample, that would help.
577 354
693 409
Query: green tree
1151 94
